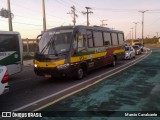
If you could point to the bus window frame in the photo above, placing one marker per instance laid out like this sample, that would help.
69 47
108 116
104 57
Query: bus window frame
110 38
117 38
95 40
122 36
92 38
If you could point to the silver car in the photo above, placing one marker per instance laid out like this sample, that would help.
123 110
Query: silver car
137 49
129 52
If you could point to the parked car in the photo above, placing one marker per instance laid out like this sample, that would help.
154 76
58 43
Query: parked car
129 52
137 49
4 80
140 45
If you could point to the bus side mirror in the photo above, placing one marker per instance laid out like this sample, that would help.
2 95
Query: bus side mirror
38 38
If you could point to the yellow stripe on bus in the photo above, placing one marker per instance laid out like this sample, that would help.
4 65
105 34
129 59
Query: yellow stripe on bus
119 51
87 57
49 64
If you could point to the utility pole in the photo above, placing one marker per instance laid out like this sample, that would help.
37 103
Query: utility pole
132 33
73 12
9 16
143 22
88 12
103 23
135 29
157 34
44 15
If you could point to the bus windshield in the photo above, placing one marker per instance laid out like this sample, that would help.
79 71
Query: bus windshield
55 42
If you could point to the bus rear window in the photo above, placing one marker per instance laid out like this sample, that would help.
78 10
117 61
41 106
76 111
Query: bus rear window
9 42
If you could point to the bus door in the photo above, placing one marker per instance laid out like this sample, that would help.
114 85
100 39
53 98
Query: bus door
10 52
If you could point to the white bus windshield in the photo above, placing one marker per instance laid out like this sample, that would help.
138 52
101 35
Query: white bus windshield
9 43
55 42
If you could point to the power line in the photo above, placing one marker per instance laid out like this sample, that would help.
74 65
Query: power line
121 10
22 23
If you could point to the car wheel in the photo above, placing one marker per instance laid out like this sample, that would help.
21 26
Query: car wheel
134 56
80 73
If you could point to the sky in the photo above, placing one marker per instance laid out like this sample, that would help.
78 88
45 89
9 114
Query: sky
119 14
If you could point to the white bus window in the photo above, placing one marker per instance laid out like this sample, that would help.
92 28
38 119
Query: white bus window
89 39
107 38
120 38
98 38
114 39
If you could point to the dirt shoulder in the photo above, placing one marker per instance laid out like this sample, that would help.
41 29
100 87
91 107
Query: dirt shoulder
153 45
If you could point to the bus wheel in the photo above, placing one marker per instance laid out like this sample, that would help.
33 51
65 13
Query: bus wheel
80 73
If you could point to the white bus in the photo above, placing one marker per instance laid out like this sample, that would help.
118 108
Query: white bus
11 50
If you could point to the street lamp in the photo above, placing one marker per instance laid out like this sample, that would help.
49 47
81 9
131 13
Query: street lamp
135 29
143 21
132 33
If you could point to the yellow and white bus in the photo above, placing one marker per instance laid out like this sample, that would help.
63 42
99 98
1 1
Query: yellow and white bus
73 51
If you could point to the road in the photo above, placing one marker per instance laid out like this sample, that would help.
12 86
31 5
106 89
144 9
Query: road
134 89
29 92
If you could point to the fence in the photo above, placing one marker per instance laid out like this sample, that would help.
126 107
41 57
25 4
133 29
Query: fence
29 47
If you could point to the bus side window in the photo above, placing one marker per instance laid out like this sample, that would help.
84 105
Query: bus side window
107 38
90 39
114 39
120 38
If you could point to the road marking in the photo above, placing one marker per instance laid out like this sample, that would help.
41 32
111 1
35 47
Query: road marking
62 91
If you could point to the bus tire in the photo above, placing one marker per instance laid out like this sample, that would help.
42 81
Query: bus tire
80 73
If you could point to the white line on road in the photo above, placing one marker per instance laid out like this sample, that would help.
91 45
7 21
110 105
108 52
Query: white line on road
69 88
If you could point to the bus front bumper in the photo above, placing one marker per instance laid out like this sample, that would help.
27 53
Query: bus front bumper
60 71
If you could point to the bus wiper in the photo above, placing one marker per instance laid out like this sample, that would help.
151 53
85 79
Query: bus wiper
52 46
52 40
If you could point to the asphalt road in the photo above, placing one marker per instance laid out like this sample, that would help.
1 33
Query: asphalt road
29 92
134 89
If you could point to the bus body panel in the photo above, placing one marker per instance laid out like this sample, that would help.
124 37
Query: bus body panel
11 51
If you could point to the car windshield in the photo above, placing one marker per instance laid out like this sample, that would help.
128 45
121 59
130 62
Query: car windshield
138 44
135 46
126 48
55 42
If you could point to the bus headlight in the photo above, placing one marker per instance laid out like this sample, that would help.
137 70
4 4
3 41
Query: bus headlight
35 65
63 66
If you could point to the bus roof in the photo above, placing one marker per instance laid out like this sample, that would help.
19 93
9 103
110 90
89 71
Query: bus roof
87 27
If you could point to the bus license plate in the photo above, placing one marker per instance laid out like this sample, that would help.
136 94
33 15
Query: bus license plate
48 76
